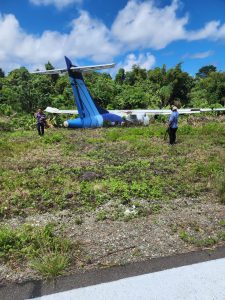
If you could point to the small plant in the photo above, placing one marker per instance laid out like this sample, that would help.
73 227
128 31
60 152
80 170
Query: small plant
136 253
50 264
185 236
222 223
39 246
222 236
78 221
101 216
200 242
174 228
155 208
53 138
209 241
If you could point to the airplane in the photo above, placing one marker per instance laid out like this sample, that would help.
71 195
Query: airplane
90 114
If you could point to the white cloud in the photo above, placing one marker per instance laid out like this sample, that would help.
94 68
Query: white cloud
210 30
88 38
145 61
58 3
139 25
199 55
220 34
91 38
146 26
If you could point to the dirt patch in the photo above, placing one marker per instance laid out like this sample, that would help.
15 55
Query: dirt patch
107 243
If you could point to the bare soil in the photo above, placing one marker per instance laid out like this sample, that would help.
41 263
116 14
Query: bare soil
108 243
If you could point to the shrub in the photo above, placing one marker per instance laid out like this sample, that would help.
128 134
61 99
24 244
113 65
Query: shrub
5 110
52 139
40 246
5 126
220 186
51 264
25 122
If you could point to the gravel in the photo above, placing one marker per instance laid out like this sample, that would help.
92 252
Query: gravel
107 243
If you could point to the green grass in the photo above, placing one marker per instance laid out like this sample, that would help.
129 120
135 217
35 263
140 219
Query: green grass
200 241
38 246
51 264
116 173
126 164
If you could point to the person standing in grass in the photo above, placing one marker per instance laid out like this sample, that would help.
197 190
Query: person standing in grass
173 125
41 119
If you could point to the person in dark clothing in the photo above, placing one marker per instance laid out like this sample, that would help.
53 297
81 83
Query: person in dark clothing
173 125
41 118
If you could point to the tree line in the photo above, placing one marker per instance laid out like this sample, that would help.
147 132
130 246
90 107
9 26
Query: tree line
22 92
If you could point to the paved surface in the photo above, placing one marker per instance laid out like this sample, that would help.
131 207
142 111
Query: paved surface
152 276
205 281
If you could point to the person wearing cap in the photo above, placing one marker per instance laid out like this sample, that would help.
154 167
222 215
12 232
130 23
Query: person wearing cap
173 125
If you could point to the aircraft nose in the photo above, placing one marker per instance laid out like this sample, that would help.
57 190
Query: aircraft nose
65 124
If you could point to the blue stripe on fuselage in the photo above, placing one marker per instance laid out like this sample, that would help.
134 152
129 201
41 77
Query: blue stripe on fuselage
112 118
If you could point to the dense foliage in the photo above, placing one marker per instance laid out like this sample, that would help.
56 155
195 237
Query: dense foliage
21 91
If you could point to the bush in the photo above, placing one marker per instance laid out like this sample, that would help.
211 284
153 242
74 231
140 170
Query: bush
40 246
25 122
6 110
52 139
55 120
51 264
5 126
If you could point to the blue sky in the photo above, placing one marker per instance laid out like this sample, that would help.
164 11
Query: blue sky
148 33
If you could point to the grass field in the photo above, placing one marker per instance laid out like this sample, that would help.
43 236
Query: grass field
116 174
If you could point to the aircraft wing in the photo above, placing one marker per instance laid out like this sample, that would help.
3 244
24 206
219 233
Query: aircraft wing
211 109
127 112
152 111
164 111
54 110
75 68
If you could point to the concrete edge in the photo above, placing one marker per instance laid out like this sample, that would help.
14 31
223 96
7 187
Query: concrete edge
38 288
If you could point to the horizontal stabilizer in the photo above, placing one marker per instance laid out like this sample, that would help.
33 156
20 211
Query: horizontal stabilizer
51 72
78 69
92 68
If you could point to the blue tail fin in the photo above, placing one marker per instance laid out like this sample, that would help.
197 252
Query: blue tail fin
84 102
